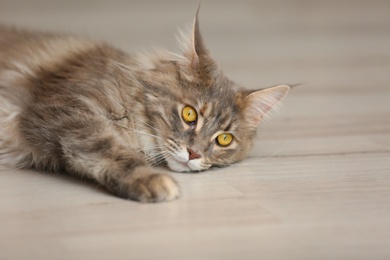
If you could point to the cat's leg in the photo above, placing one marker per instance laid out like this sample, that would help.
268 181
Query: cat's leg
98 153
88 145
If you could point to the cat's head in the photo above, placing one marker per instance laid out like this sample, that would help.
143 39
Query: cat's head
201 118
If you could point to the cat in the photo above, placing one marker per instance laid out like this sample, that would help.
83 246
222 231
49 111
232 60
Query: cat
68 104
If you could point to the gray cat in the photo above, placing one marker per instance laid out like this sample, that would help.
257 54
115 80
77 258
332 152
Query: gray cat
72 105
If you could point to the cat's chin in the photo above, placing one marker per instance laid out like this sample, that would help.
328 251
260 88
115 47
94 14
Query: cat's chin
189 166
177 166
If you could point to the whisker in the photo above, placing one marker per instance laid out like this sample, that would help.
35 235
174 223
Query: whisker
159 161
153 156
149 148
158 158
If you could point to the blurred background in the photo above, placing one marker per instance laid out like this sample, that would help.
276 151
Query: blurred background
338 46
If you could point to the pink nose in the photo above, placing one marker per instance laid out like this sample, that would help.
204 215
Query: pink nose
193 155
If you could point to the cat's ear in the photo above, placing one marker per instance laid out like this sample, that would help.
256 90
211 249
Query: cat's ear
259 103
196 56
197 48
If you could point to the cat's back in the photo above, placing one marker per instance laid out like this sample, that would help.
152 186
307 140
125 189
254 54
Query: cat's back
24 51
27 59
24 55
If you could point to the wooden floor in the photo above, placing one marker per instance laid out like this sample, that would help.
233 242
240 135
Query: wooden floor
317 183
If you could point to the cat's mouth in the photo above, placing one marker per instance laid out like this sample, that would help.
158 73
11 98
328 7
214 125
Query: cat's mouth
178 166
182 159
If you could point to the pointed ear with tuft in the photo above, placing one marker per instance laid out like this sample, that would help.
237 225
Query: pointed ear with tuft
260 102
197 57
198 47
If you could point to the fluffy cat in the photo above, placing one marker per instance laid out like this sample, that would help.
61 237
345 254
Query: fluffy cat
72 105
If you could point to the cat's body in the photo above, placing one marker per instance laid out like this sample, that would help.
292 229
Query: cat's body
69 104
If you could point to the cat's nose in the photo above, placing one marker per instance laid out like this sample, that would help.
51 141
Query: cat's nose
192 154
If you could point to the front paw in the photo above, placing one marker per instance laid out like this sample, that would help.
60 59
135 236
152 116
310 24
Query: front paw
143 184
154 188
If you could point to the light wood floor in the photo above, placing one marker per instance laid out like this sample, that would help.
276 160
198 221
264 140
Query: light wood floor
317 183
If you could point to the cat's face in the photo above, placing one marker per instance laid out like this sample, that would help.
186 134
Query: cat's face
200 123
199 126
201 118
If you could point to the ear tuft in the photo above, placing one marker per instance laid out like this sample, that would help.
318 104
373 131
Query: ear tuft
198 45
195 54
260 102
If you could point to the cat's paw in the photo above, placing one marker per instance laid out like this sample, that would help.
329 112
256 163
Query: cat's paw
154 188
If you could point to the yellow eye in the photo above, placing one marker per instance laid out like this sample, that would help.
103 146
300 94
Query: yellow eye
189 114
224 139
